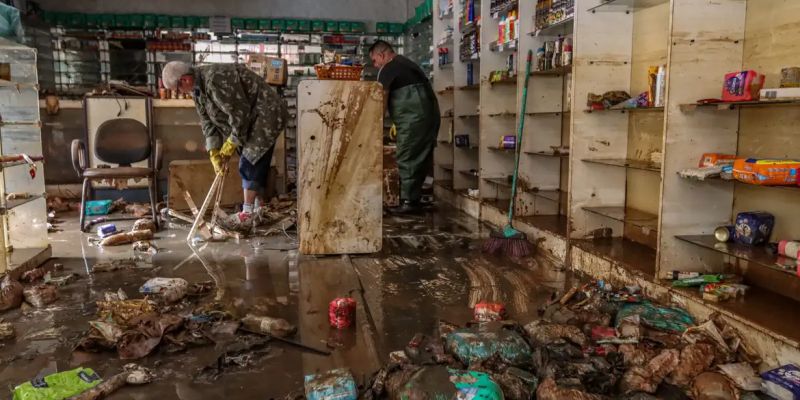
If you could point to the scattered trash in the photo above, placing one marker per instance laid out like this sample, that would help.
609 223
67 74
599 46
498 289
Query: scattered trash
6 330
34 274
341 312
485 312
653 316
241 354
40 295
97 207
713 386
548 390
106 230
146 335
743 375
60 385
543 333
60 281
647 378
481 342
144 224
782 383
132 374
145 247
10 293
337 384
276 327
169 290
122 312
115 296
440 382
138 210
114 265
694 359
126 237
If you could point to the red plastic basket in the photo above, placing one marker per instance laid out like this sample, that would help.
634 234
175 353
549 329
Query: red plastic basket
339 72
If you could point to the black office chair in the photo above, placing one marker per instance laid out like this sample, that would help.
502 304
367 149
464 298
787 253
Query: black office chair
122 141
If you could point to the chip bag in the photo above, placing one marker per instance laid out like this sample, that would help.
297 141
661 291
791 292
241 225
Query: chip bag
60 385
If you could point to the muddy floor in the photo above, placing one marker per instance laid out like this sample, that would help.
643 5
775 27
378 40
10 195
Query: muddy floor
430 268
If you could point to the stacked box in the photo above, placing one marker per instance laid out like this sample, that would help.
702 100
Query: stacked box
344 26
292 25
177 22
331 26
317 25
163 21
251 24
264 24
237 23
304 25
150 21
279 25
358 27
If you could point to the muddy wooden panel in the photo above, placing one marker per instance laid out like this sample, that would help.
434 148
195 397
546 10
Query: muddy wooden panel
322 280
340 179
602 63
196 177
706 43
772 41
391 177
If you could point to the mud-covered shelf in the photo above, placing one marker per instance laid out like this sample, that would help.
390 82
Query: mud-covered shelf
533 114
503 114
501 149
473 174
547 154
474 86
446 167
625 163
631 255
467 116
553 72
504 82
624 110
7 205
552 195
755 254
629 216
549 30
502 47
552 223
499 181
446 90
717 179
625 6
739 104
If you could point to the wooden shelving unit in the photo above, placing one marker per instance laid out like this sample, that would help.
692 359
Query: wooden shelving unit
613 205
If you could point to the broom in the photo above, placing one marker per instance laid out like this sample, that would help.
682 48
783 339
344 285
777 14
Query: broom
510 241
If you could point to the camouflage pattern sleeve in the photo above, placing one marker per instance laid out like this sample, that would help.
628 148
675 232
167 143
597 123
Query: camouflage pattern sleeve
210 130
232 100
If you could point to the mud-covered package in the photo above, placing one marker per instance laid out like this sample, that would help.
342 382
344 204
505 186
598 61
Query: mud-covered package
337 384
782 383
60 385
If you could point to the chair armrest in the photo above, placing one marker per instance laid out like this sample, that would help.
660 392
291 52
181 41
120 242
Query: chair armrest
78 150
158 156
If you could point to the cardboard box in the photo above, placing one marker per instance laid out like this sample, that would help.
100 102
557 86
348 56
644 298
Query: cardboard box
273 69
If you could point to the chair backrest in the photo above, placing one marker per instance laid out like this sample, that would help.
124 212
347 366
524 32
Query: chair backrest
122 141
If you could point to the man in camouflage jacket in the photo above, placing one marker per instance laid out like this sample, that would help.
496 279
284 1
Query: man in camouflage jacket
238 111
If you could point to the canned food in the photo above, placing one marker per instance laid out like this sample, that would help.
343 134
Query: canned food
724 233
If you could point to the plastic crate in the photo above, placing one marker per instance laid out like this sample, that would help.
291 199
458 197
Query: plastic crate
331 26
278 25
382 27
149 21
317 25
137 21
358 27
396 27
76 20
292 25
108 20
163 21
304 25
265 24
237 23
177 22
344 26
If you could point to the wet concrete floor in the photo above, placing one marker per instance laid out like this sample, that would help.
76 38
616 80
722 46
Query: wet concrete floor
431 268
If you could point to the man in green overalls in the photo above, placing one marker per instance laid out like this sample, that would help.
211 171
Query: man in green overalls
414 110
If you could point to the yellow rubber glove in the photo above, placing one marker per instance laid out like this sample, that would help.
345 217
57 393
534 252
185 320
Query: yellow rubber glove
227 149
216 160
393 132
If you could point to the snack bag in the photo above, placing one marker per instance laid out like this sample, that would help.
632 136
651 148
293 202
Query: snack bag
715 159
742 86
766 172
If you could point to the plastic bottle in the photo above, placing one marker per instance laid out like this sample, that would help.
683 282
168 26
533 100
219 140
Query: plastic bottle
661 80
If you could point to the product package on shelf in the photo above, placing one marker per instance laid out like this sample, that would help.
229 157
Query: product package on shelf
753 227
742 86
550 12
766 172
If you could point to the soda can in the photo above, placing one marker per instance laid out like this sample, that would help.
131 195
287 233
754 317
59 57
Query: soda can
486 312
342 312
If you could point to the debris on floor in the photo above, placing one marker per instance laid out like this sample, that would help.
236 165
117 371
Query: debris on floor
651 349
127 237
60 385
40 295
6 330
